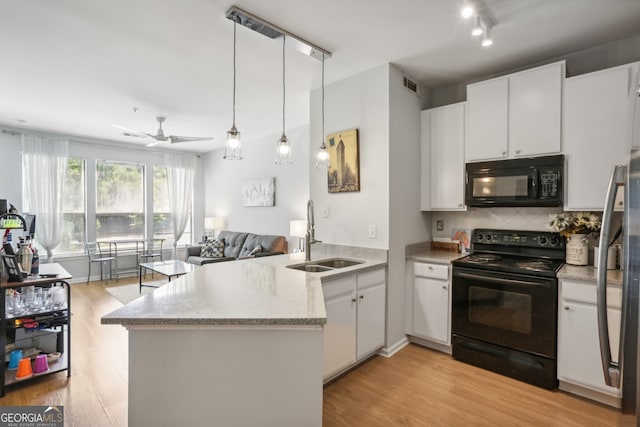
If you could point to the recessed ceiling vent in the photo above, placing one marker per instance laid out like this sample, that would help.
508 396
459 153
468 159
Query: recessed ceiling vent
410 85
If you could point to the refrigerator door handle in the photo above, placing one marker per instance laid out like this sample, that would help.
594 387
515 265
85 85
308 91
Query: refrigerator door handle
610 369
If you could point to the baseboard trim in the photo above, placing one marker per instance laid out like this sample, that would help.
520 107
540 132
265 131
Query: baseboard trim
389 351
444 348
598 396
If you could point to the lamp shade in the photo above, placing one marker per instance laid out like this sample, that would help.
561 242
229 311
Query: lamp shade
213 223
297 227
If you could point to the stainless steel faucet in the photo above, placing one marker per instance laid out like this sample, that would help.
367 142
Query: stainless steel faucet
309 237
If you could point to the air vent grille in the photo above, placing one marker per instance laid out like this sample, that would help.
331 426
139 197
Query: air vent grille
410 85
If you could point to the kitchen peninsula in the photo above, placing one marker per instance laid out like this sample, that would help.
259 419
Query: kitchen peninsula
234 343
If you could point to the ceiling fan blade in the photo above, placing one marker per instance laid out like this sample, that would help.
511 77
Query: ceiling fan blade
152 143
132 132
175 139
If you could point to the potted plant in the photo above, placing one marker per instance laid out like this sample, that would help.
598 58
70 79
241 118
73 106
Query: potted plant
577 227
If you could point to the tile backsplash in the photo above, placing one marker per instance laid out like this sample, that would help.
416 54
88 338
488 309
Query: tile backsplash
499 218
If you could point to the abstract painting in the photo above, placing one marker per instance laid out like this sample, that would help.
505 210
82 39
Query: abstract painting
259 192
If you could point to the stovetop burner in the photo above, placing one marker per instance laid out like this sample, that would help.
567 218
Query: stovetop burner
539 264
483 258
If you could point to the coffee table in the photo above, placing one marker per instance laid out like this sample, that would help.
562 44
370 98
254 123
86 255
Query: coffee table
170 268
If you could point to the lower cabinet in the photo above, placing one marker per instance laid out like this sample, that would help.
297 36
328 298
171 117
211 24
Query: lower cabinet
355 325
579 365
431 302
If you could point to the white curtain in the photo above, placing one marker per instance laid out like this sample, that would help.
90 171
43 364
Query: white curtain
181 169
44 164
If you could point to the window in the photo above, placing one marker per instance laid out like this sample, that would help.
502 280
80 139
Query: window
162 224
73 208
119 200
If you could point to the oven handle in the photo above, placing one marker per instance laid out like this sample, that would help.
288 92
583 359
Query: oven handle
498 279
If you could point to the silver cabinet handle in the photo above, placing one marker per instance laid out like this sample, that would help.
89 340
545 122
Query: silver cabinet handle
430 268
353 300
518 151
444 286
504 153
567 308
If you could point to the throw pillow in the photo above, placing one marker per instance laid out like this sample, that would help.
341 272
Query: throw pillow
255 250
212 249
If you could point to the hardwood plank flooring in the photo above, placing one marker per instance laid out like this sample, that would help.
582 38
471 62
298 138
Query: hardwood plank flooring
415 387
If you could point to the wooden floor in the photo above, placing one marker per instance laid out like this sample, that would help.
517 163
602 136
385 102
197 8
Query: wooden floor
415 387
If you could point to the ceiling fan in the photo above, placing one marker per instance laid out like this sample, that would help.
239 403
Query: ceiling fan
160 136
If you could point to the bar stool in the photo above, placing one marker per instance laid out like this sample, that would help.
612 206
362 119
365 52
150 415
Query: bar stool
95 255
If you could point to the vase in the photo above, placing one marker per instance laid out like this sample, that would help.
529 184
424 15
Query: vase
577 249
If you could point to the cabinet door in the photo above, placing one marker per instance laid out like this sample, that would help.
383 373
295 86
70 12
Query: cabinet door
339 333
486 120
535 108
578 348
371 317
431 309
595 134
447 157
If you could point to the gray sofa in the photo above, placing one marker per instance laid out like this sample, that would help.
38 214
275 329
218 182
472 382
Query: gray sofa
239 245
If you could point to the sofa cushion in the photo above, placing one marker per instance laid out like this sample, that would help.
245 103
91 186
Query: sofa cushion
267 243
233 242
213 249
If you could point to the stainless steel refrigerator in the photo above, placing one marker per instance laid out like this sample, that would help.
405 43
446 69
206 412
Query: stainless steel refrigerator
623 373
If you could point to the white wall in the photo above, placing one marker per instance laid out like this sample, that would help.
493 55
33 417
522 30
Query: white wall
407 223
223 182
90 150
361 102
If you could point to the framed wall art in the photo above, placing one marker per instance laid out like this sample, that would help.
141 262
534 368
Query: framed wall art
344 165
259 192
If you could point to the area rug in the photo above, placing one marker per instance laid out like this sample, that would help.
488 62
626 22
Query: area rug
127 293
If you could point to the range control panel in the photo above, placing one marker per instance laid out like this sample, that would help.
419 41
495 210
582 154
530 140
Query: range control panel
531 239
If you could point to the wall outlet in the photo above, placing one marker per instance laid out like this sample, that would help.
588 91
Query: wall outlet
325 212
372 231
439 225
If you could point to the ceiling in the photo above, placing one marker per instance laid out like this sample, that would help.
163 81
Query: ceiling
79 66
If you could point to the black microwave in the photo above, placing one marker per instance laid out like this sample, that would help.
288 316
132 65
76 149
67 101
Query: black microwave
534 181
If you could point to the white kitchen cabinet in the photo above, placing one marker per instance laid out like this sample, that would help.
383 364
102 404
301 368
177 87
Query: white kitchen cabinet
597 111
443 173
356 315
579 365
432 302
371 312
518 115
486 119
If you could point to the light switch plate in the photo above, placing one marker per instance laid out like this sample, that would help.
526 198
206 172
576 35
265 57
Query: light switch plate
372 231
325 212
439 225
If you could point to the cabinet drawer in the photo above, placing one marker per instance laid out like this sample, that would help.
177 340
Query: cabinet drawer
371 278
586 292
435 271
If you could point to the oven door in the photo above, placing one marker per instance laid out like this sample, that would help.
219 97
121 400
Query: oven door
510 310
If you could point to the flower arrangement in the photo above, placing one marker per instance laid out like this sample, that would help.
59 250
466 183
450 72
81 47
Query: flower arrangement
567 223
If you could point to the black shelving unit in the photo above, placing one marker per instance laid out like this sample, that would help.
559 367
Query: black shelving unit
56 319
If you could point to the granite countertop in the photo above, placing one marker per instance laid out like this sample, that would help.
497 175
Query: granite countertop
589 273
436 256
257 291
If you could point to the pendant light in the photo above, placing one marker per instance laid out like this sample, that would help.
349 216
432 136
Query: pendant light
283 148
322 156
233 146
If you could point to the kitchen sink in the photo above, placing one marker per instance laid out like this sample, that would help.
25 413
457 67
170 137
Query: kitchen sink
324 265
337 263
310 268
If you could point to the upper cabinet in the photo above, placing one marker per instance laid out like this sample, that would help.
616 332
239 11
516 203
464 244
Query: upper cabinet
598 120
443 158
516 115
